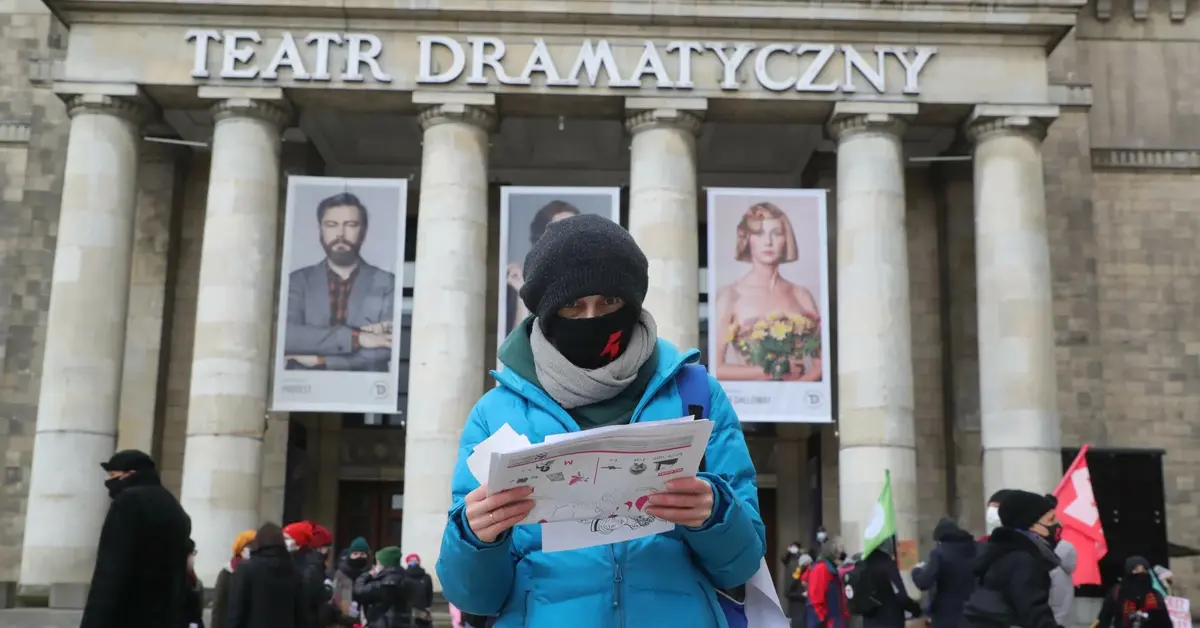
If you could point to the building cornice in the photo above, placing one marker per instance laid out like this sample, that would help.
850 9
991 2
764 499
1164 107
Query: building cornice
1071 95
1145 159
14 132
1050 19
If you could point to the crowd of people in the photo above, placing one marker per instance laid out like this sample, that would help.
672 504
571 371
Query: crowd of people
1019 574
276 577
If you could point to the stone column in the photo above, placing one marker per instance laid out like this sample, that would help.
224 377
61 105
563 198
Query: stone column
85 346
1017 371
449 302
662 209
231 359
875 380
147 294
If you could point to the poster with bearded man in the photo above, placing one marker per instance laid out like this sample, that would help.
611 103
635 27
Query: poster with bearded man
337 337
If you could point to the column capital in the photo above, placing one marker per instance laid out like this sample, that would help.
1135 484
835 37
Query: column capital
638 121
135 110
437 107
851 118
1029 120
276 113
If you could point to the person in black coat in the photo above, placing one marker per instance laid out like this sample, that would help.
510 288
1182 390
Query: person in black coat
1013 572
385 592
141 560
1135 593
948 575
266 591
420 585
193 594
888 588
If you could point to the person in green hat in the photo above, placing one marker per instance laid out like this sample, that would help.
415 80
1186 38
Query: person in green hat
383 593
356 559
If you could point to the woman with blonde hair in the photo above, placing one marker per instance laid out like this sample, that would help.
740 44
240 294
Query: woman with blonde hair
771 327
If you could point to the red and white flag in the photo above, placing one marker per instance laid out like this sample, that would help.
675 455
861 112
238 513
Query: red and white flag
1081 520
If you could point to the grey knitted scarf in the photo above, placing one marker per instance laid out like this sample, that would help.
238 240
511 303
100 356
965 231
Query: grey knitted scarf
573 387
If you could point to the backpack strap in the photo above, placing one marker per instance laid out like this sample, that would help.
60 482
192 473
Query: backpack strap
692 382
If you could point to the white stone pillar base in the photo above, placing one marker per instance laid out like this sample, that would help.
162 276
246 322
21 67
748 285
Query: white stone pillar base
663 216
875 387
1017 367
231 358
448 318
85 343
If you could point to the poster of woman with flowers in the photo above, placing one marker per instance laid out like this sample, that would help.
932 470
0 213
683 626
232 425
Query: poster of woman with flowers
768 304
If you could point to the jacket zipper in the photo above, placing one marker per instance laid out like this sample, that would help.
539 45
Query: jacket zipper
618 578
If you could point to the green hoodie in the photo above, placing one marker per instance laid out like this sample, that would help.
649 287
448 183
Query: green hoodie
517 354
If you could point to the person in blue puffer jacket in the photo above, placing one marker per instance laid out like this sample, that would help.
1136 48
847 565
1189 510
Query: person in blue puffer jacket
589 356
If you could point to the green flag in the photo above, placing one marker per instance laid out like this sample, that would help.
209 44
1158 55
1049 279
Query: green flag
882 525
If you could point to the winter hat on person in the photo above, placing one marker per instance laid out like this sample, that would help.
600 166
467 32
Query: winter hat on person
301 532
360 545
321 536
1022 509
129 460
389 556
999 496
411 559
581 256
241 541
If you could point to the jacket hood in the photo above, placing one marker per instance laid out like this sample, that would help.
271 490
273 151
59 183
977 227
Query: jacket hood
947 531
670 360
1067 556
1004 541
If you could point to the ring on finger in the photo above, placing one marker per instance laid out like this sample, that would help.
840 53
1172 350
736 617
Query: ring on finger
493 516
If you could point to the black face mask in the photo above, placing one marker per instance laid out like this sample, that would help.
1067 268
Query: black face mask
357 563
1053 534
116 485
591 343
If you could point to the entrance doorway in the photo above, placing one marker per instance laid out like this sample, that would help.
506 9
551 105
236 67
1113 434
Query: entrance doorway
372 510
766 508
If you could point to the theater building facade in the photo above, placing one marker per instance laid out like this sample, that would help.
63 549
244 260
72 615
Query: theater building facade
1011 236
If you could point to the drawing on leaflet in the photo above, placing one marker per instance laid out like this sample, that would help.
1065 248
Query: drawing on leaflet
612 524
611 468
544 467
658 465
522 480
637 468
577 478
555 477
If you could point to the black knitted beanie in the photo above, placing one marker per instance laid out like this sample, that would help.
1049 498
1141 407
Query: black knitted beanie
581 256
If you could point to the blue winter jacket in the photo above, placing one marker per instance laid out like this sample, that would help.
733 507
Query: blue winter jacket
662 580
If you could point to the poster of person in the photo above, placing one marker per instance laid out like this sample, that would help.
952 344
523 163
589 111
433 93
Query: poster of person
525 212
768 303
338 331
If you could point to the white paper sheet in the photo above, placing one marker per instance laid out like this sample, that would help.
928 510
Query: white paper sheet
504 439
607 474
762 602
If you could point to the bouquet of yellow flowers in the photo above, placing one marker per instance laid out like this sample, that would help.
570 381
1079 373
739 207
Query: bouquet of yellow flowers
776 340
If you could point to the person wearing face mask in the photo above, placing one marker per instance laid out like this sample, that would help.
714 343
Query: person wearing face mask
266 591
310 564
193 595
993 512
419 585
131 587
1013 573
589 356
1135 593
241 552
356 560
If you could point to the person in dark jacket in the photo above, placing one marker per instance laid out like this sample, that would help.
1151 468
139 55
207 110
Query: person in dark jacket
193 595
357 559
888 588
1013 572
267 591
797 591
241 552
948 576
133 587
1134 594
383 592
420 584
310 564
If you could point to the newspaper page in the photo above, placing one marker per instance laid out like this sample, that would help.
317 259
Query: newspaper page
602 474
